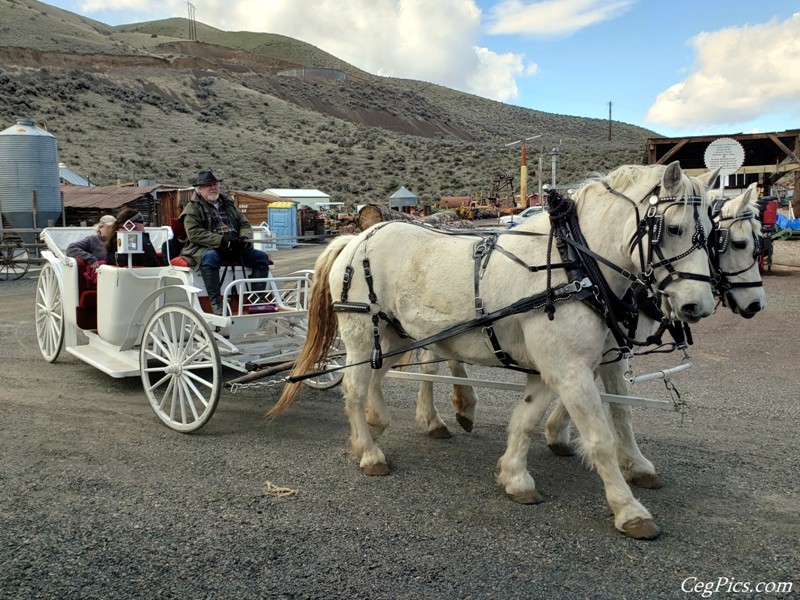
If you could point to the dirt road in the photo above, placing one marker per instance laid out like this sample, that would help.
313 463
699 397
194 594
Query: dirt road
99 500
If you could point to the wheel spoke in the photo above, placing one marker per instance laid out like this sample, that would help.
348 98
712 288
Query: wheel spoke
183 383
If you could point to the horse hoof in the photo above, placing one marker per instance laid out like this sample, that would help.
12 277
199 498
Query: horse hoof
466 424
650 481
560 449
440 433
530 497
641 529
376 470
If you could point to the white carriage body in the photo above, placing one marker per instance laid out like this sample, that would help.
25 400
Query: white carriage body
128 297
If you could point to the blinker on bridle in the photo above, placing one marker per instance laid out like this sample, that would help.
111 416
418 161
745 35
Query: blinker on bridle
719 244
652 226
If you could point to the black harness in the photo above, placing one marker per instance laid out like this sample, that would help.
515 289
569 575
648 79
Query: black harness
720 243
586 281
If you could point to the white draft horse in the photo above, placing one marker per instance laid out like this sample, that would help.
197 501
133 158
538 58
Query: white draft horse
734 246
401 280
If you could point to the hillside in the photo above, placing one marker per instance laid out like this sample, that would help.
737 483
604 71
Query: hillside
141 101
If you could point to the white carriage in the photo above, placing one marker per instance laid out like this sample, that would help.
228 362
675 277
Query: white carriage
151 322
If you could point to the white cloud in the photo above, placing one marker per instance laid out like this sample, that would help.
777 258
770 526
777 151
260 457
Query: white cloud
552 18
416 39
740 74
435 41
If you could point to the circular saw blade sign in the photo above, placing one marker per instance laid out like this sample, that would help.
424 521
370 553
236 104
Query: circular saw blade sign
726 153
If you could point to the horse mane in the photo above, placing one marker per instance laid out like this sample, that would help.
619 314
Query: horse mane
621 178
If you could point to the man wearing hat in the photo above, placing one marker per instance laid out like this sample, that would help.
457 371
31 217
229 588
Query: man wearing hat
217 231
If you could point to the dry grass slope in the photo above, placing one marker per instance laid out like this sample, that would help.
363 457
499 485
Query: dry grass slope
140 101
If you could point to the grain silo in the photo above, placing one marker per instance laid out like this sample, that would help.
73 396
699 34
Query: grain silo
30 195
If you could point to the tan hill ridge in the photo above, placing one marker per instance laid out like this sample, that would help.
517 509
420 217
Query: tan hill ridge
141 101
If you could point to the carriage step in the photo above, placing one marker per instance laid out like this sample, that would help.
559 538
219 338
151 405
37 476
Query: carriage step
116 364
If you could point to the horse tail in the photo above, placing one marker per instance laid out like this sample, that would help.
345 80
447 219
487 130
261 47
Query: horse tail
322 327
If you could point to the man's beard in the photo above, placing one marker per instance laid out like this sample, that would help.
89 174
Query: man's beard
213 197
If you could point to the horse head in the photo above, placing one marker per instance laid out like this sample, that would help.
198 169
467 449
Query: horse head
667 237
735 249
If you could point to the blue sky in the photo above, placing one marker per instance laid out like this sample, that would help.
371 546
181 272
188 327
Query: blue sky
678 67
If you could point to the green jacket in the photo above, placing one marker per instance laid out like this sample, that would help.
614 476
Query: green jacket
196 219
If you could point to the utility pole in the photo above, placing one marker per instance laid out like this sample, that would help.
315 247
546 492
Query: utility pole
553 162
609 120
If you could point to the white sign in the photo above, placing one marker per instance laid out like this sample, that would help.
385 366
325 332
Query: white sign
725 153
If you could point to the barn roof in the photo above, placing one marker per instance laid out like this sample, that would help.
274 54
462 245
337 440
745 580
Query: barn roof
403 193
296 193
108 197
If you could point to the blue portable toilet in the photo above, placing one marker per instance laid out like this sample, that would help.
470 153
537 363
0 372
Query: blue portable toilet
282 221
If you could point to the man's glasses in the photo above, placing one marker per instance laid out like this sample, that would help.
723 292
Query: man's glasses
137 218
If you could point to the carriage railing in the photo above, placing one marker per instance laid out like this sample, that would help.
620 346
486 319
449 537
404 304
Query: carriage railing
280 294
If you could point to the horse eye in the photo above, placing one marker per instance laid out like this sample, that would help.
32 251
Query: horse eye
739 244
675 230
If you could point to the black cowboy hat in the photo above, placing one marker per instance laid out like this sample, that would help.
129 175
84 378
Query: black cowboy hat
205 178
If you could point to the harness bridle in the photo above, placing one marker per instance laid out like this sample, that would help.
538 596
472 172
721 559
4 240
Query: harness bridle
651 226
720 243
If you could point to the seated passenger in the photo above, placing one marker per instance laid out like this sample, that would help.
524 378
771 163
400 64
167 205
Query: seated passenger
130 219
92 249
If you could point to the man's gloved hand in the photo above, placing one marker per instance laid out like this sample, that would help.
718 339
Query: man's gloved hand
243 242
225 243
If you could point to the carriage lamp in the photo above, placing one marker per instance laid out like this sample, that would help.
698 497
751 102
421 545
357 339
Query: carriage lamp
130 242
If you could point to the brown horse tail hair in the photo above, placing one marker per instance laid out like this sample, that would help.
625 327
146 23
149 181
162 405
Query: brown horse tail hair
322 326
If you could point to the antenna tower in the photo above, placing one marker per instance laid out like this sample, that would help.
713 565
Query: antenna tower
192 22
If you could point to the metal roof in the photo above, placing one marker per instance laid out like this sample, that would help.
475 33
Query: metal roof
105 197
70 177
403 193
296 193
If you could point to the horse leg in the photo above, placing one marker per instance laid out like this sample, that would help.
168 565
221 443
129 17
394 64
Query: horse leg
636 468
557 431
582 400
359 381
427 414
512 467
464 398
376 411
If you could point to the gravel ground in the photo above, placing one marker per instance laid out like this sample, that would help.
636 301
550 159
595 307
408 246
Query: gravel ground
99 500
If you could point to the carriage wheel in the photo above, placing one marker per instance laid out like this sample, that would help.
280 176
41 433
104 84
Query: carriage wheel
329 380
14 260
180 367
49 314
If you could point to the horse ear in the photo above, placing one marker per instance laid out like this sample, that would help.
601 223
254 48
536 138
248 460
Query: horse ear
672 179
744 201
710 179
749 197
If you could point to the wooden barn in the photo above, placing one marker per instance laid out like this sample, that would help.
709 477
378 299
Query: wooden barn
768 157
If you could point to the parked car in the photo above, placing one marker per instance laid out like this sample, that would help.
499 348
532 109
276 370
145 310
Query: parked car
521 217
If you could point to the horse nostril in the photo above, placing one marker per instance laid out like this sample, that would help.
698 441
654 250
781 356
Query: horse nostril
754 307
690 310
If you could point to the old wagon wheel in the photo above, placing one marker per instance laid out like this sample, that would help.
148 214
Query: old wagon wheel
49 314
180 367
14 259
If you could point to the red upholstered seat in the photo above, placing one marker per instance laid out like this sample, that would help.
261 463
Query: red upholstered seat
179 261
86 311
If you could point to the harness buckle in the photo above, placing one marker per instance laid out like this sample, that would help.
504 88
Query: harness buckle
374 308
479 305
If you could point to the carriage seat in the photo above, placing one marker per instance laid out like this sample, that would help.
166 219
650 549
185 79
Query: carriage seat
86 310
